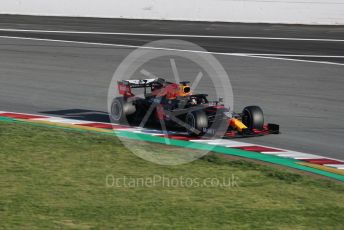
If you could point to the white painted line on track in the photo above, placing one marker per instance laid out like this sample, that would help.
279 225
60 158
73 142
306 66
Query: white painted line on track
129 129
61 120
304 156
277 153
170 35
335 166
150 131
297 60
224 142
294 154
293 55
171 49
298 155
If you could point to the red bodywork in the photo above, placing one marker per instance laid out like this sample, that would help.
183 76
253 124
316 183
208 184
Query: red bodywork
124 89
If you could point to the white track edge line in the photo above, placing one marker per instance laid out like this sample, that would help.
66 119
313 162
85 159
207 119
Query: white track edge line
170 49
172 35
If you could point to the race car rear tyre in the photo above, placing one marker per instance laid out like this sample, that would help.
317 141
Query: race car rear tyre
253 117
122 111
198 121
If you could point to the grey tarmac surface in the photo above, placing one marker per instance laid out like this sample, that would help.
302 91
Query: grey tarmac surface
72 80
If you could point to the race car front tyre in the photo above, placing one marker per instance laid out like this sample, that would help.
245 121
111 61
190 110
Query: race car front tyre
122 110
198 122
253 117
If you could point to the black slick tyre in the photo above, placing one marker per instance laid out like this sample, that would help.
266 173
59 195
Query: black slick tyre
198 122
253 117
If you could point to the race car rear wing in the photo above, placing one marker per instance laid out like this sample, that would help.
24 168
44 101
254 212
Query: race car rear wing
142 83
125 86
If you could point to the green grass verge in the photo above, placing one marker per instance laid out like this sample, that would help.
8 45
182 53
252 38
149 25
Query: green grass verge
53 179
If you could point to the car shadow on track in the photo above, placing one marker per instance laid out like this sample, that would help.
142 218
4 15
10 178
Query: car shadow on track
80 114
96 116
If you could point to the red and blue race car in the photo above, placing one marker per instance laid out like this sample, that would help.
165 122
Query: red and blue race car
175 107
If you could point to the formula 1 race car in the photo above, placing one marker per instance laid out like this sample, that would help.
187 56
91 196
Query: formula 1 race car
176 107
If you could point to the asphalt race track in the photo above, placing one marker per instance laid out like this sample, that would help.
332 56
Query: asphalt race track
302 90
